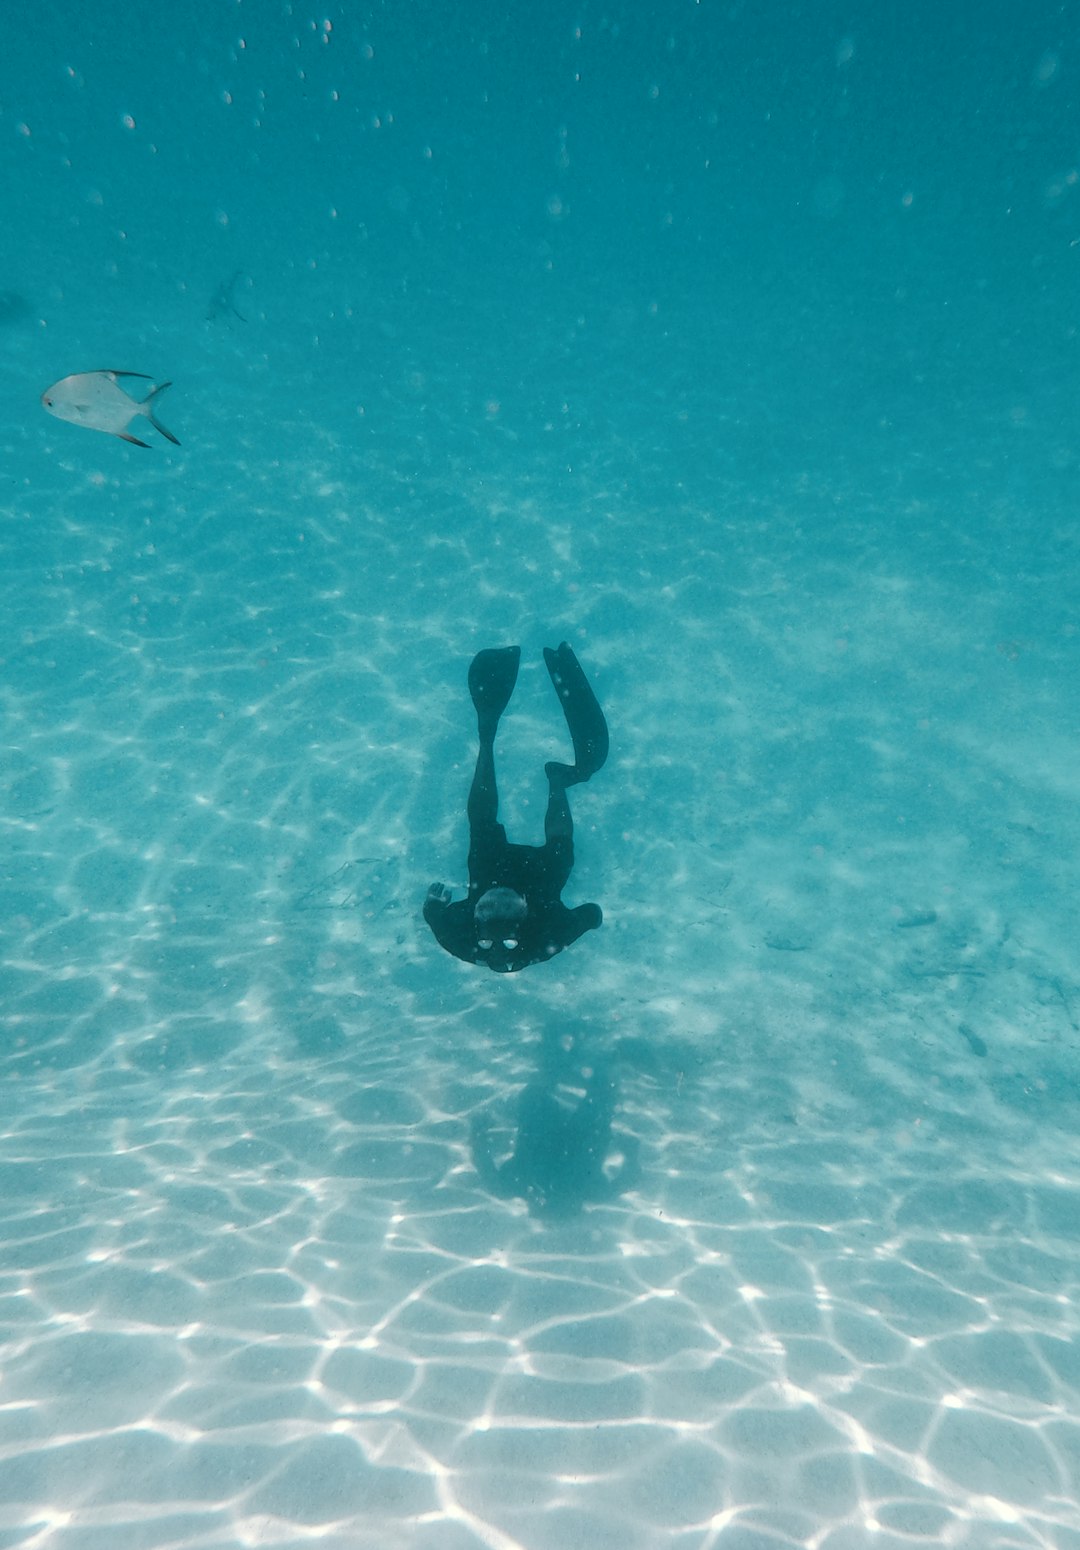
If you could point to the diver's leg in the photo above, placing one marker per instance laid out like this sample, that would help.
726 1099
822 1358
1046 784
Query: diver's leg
483 807
557 857
492 675
558 824
585 719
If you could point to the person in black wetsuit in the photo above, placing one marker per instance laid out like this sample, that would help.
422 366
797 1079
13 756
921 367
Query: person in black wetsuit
513 915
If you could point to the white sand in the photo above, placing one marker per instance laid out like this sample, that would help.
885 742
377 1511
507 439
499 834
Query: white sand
251 1291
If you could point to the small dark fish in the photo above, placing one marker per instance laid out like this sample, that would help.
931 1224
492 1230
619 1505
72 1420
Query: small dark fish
975 1043
224 299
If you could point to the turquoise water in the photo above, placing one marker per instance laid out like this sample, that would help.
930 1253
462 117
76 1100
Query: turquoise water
737 346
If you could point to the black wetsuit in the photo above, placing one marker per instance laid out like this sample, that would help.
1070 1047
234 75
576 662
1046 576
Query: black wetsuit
538 873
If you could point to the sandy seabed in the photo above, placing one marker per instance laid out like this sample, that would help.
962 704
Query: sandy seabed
251 1289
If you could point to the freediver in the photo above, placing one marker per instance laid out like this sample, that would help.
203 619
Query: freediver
513 914
557 1162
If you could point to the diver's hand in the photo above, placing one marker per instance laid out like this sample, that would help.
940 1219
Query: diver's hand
439 893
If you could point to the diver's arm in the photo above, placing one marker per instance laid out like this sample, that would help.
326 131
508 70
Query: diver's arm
549 932
435 906
587 917
437 894
451 923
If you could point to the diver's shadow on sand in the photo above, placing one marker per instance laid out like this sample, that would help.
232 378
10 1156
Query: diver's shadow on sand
565 1154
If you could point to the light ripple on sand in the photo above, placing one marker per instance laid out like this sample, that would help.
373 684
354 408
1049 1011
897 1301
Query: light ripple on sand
250 1288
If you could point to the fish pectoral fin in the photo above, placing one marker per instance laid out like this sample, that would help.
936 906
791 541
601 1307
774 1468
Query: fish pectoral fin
110 373
135 442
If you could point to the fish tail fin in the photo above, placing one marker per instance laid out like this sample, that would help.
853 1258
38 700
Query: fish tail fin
149 413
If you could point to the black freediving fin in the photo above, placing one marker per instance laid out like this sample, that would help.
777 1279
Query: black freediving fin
585 719
492 676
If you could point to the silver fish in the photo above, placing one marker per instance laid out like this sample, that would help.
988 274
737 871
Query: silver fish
96 399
